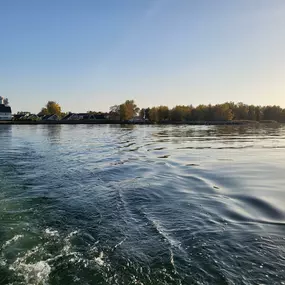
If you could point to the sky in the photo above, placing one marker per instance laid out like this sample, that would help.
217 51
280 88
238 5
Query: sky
92 54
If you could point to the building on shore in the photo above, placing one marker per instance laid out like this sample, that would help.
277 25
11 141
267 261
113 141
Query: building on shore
84 116
5 110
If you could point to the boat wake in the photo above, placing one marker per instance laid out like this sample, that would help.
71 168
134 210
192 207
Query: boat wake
36 265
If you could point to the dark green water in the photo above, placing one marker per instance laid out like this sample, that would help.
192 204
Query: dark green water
142 205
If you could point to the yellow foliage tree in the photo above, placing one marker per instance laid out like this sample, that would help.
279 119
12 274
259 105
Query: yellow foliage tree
51 108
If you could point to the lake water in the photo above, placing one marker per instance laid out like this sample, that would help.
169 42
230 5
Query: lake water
91 204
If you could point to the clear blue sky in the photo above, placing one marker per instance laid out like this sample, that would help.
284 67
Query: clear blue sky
89 55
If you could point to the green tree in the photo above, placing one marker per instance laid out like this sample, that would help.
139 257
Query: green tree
144 113
153 117
199 113
241 111
147 113
282 116
222 112
251 113
114 113
162 113
272 113
181 113
124 113
258 113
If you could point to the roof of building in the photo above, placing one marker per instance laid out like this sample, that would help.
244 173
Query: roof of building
89 116
33 116
84 114
5 109
100 116
18 116
46 117
67 116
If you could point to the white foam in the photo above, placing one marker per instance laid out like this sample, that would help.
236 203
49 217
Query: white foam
118 244
2 262
51 232
34 273
8 242
172 260
67 247
72 234
99 260
165 235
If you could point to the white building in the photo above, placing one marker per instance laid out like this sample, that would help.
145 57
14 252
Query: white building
5 110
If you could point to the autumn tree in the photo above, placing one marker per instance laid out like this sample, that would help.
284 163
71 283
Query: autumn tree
51 108
125 111
43 112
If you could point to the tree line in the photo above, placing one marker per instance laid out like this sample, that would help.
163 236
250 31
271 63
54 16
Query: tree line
228 111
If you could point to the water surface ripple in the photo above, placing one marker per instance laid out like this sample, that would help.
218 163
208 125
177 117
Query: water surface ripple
91 204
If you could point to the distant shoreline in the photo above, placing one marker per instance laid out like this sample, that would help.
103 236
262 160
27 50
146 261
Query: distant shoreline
110 122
